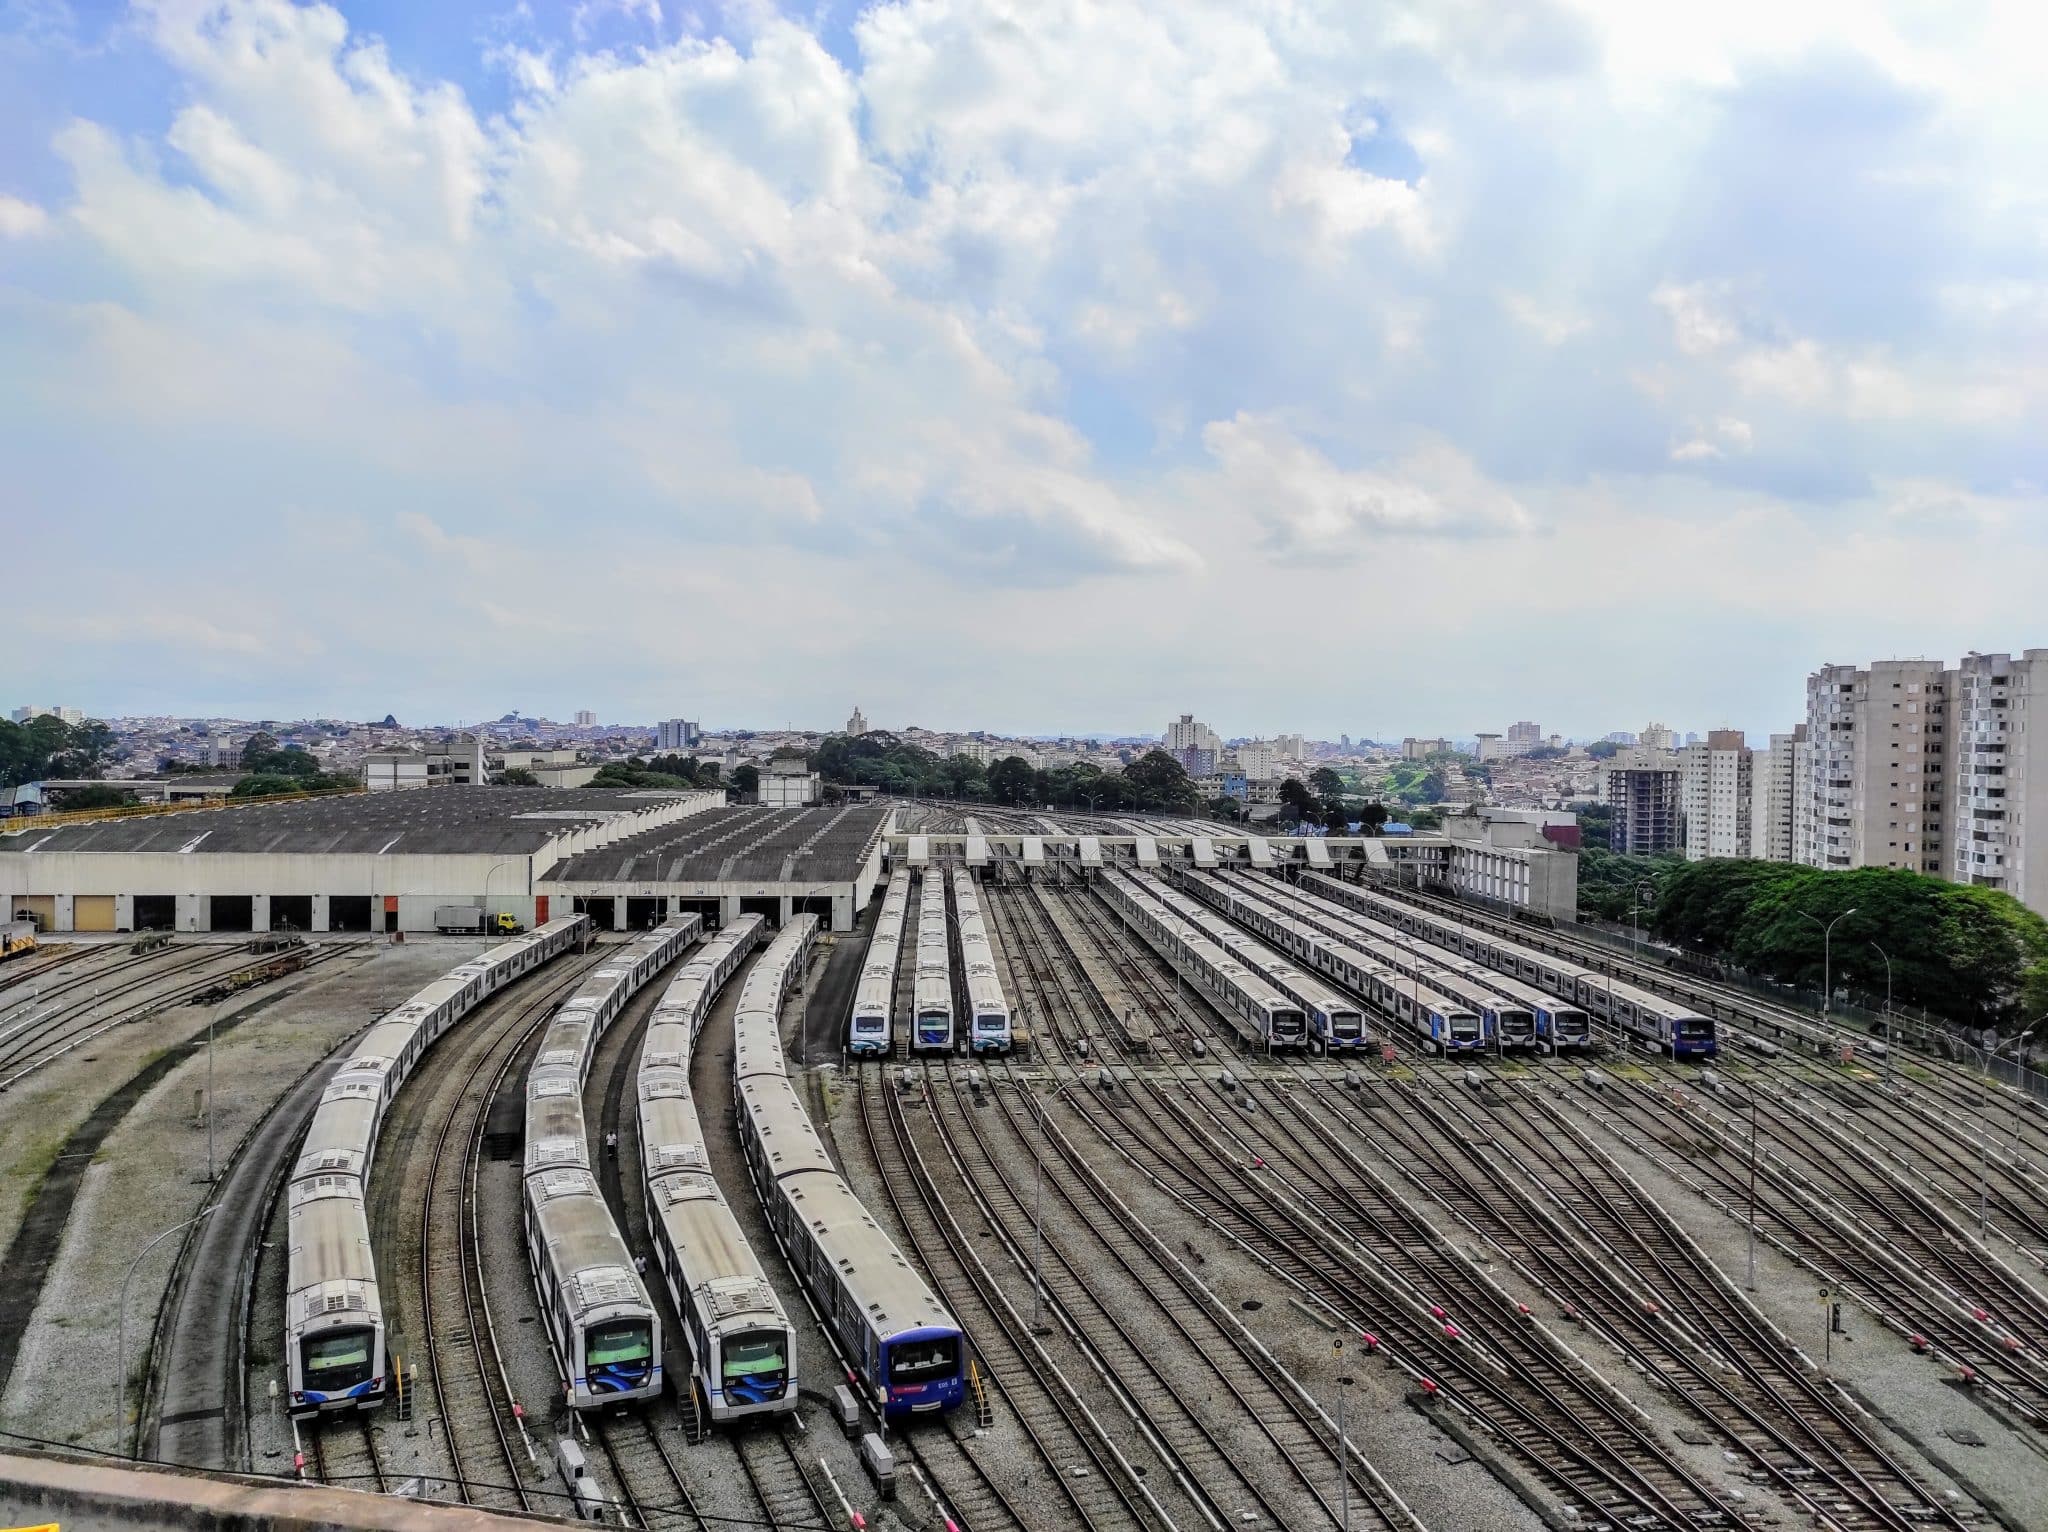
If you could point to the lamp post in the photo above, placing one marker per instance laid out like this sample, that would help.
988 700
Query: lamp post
1343 1467
1752 1183
121 1330
1827 933
1887 1010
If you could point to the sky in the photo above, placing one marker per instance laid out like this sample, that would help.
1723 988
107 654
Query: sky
1030 365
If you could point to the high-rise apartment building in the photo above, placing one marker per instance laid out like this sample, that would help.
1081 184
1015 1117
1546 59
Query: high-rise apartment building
1656 737
585 719
1413 749
1643 791
1716 780
1294 747
1877 755
1998 827
1258 761
1523 732
857 725
1778 778
676 734
1188 732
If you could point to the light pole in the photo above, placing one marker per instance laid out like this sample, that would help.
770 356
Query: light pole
121 1330
1887 1010
1827 933
212 1013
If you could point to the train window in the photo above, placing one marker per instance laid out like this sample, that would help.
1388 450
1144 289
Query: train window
918 1361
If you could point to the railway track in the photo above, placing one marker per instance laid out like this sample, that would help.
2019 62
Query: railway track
1603 1252
465 1370
1374 1264
344 1453
1045 1404
47 1033
653 1491
782 1484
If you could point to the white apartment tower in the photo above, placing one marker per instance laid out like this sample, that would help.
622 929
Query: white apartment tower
585 719
1524 732
1877 754
1656 736
1188 732
1259 761
1998 828
857 725
1716 780
1777 779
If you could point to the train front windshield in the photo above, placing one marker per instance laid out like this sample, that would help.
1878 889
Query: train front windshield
1289 1026
934 1026
754 1366
1516 1025
1346 1026
991 1026
625 1345
923 1361
1693 1029
869 1026
1464 1027
337 1360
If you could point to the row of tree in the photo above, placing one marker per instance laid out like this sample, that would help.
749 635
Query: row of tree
47 746
1153 783
1973 956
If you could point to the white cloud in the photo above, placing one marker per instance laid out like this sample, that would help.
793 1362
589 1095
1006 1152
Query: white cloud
1697 323
21 220
1311 508
1550 323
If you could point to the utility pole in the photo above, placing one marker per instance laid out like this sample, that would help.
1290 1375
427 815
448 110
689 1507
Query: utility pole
1343 1464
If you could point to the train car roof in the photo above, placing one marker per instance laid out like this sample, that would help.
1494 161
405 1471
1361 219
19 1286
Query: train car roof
580 1242
714 1253
885 1287
787 1134
329 1241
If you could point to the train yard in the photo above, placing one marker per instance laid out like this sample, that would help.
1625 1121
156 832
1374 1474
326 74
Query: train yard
1044 1198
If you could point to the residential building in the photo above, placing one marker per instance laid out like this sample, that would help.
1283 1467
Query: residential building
1422 749
1188 732
458 761
1259 761
1878 757
677 734
1643 791
1716 781
1525 733
1196 760
585 719
1777 780
1293 747
857 725
1656 737
1999 822
70 715
1620 737
221 750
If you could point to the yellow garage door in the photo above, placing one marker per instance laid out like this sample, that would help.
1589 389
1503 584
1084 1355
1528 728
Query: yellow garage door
41 908
92 912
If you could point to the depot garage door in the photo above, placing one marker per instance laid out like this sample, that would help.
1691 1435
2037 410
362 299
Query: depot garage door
92 912
41 908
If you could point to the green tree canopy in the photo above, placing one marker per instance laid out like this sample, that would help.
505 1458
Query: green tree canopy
517 776
746 779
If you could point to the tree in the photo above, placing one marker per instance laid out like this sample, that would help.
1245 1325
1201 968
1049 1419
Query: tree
1011 780
746 780
1373 817
98 796
1327 784
1596 825
1296 798
517 776
1161 784
1603 750
257 749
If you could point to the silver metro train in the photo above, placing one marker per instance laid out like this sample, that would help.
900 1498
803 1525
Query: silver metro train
604 1333
870 1031
741 1348
334 1324
931 1000
900 1343
1259 1013
986 1019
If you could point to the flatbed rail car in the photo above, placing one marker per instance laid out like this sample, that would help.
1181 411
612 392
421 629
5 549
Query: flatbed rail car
741 1350
1258 1012
17 938
870 1030
1514 1016
1653 1021
601 1327
335 1342
931 1007
986 1016
1442 1022
905 1350
1334 1019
